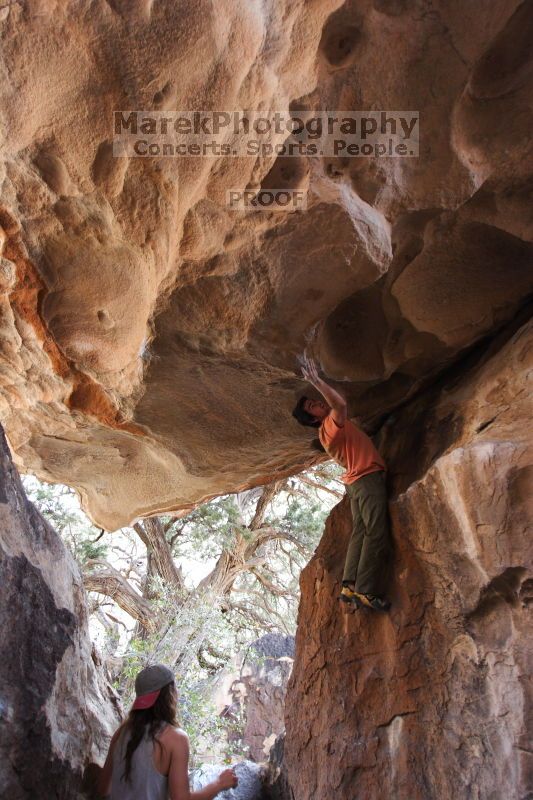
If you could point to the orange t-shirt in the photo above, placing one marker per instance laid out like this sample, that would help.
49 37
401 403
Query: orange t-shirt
351 448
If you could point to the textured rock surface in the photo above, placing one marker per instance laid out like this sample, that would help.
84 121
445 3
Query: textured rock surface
433 701
147 351
250 785
254 692
276 784
147 334
56 710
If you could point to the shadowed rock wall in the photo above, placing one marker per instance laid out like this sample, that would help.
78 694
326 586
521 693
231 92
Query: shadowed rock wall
56 710
434 700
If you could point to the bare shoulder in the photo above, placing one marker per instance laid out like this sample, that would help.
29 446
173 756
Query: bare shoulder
175 737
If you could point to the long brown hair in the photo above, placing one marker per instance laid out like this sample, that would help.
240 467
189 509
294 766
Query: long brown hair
163 710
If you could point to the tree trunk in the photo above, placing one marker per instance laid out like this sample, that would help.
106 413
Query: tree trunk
152 533
110 583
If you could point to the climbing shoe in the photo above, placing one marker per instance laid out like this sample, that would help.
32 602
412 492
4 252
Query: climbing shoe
349 596
371 601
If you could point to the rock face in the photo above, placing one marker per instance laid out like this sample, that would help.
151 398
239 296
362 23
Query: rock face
148 333
56 709
276 785
264 679
250 786
434 700
254 692
148 337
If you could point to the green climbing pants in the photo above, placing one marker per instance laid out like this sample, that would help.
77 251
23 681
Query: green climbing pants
369 548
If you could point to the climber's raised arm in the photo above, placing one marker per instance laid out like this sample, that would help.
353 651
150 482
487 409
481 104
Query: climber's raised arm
335 401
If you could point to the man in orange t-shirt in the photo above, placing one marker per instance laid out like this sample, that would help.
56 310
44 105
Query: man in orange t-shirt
364 476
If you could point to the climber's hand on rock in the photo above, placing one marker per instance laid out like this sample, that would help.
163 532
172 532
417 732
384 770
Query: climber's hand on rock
227 780
309 370
335 401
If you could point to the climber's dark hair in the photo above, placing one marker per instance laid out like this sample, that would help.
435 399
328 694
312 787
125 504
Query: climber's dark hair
139 720
303 416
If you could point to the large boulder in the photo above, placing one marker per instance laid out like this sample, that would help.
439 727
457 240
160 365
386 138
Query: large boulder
250 786
149 332
432 701
57 710
250 694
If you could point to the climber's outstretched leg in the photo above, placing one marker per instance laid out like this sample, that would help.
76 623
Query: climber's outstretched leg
370 544
353 554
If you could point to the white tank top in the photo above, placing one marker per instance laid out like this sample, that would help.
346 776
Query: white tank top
146 782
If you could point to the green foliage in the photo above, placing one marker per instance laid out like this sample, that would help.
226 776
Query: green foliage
53 502
135 658
304 522
198 715
190 621
59 505
207 529
86 549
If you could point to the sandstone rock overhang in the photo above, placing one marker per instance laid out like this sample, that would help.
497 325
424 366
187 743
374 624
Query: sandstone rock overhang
149 334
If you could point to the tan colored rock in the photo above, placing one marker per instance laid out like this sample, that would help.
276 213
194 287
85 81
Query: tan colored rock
434 700
466 276
148 338
149 343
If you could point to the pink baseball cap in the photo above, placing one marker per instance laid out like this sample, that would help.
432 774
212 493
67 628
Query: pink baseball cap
148 685
146 700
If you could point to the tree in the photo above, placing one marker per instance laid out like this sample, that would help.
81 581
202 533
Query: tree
256 541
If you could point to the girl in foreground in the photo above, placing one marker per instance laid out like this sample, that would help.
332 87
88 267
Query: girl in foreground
148 756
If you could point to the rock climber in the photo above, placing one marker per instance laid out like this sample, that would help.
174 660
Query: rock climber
370 543
148 755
